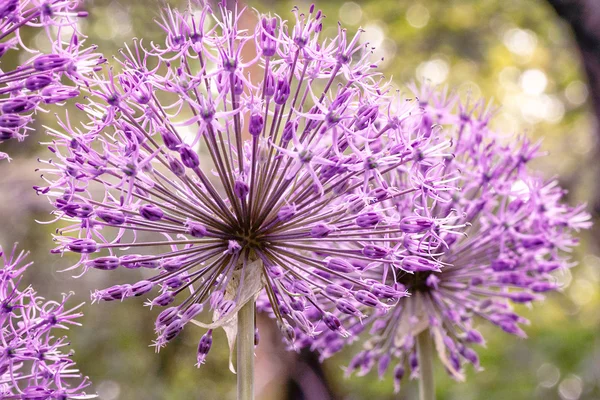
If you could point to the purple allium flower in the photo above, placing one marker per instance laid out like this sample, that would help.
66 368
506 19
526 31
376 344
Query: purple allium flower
232 161
33 364
40 80
517 234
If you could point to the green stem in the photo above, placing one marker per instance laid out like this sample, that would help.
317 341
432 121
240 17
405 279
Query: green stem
425 351
245 352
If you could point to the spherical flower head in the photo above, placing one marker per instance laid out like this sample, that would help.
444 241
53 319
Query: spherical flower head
33 361
42 79
281 183
513 237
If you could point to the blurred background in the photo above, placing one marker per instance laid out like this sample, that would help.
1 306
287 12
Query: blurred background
539 60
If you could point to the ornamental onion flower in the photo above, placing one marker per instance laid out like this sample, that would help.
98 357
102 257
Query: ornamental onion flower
42 79
227 161
33 364
518 233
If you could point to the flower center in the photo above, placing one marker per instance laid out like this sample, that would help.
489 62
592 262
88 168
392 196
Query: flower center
415 282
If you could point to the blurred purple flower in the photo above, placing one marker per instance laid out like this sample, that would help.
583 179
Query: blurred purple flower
39 80
232 174
33 364
517 234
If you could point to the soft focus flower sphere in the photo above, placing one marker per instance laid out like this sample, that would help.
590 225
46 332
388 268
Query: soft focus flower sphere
33 364
516 236
297 146
40 80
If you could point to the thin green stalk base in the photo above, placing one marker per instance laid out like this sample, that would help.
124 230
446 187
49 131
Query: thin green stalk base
245 352
425 352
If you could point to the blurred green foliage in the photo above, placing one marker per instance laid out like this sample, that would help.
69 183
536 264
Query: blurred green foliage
514 51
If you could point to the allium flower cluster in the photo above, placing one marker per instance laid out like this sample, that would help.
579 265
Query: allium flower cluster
517 235
41 79
33 362
228 161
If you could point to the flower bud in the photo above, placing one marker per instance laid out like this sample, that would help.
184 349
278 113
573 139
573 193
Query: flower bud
522 297
204 347
366 115
172 264
176 167
241 189
130 261
303 323
398 375
503 264
384 362
173 330
176 281
282 92
332 322
471 356
340 265
374 251
415 224
418 264
166 317
368 219
432 282
18 105
38 82
233 247
47 62
164 299
11 121
195 229
355 204
170 140
474 336
256 124
8 7
386 292
367 298
289 131
238 85
302 288
286 213
267 42
140 288
225 307
377 195
511 327
546 267
270 85
192 311
344 306
215 299
116 292
540 287
107 263
189 158
320 231
57 94
533 243
82 246
336 290
151 212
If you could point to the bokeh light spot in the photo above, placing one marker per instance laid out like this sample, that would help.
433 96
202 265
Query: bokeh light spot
417 16
570 388
350 13
521 42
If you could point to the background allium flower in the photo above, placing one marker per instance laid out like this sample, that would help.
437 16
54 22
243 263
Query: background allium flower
40 80
223 175
517 234
33 362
